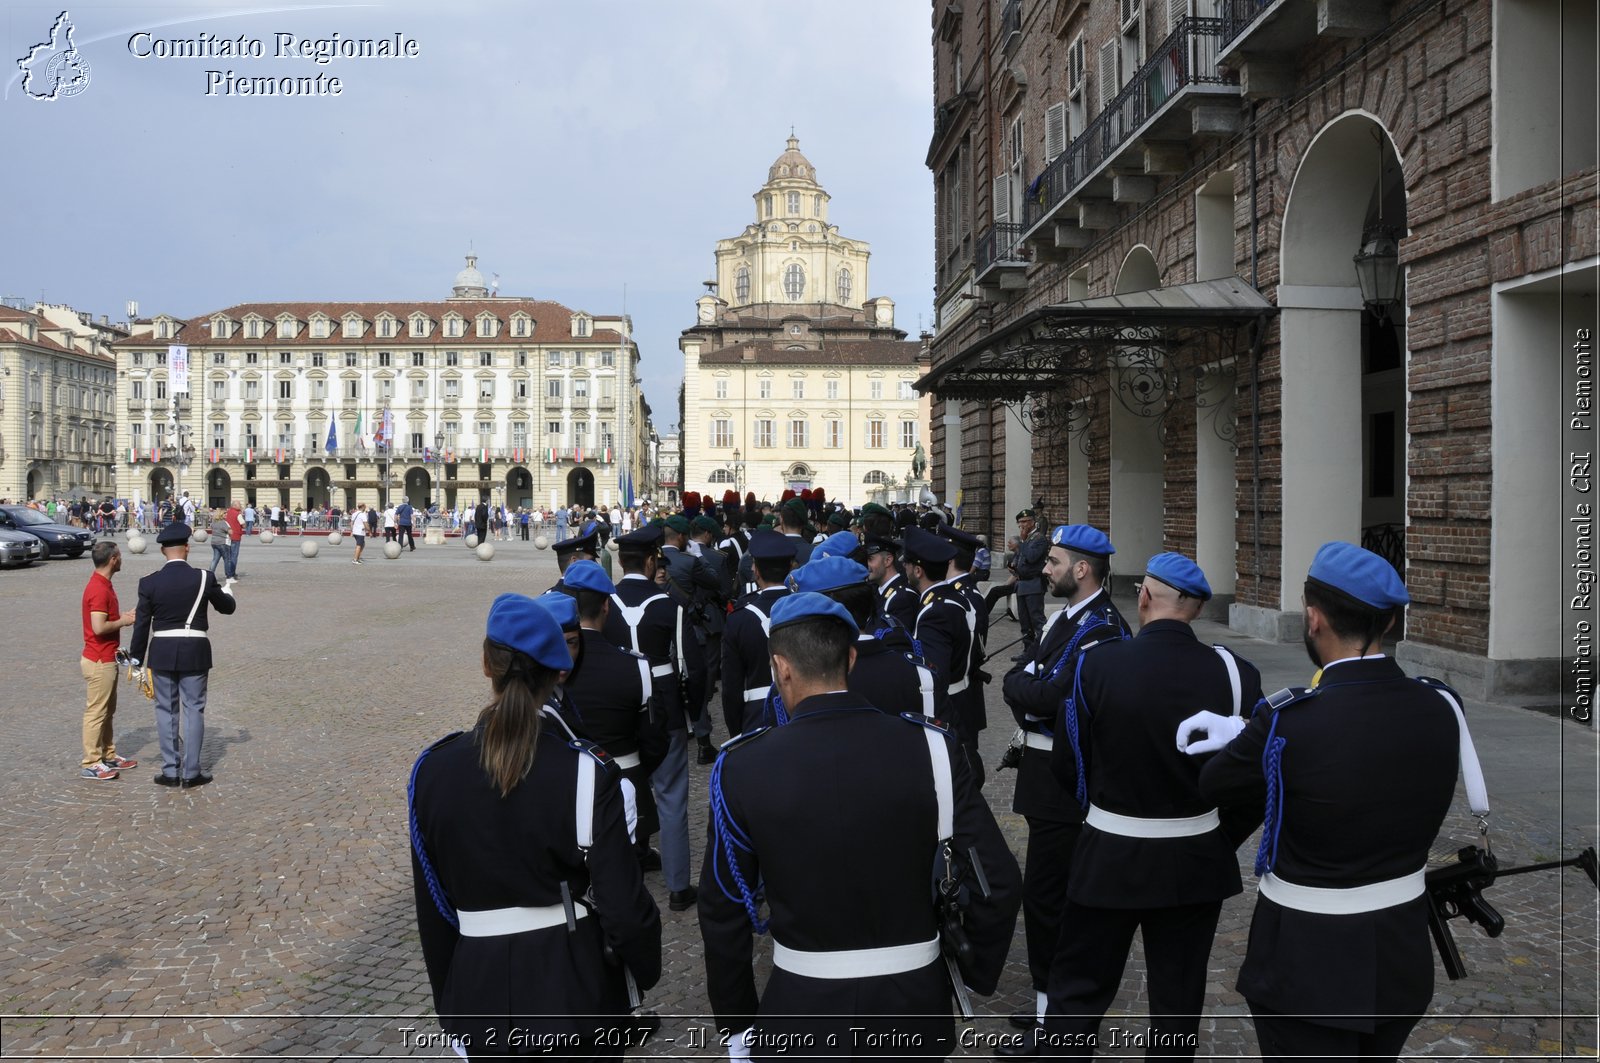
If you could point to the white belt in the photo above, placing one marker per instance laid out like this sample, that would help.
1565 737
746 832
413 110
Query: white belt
1352 900
498 922
626 760
660 670
960 684
757 693
179 633
1134 827
1034 740
856 963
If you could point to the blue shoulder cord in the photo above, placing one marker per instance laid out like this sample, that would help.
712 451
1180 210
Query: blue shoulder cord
1069 708
431 877
775 703
1272 769
729 836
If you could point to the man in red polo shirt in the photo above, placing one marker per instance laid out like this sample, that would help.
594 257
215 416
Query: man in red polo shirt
103 622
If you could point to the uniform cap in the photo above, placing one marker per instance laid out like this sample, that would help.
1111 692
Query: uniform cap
176 532
1359 574
769 545
1082 539
562 607
678 523
1027 514
827 574
882 544
1179 573
794 608
923 545
588 576
872 508
588 543
646 537
839 518
963 539
522 624
839 544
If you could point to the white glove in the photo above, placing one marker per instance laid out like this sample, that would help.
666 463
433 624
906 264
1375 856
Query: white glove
1032 668
630 806
738 1046
227 587
1219 731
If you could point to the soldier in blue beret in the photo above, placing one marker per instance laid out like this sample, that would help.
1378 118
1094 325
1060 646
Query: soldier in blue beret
1155 856
509 823
1356 775
1075 570
843 972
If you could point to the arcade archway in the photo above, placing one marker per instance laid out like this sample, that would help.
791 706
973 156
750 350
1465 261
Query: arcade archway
419 488
217 488
519 488
318 488
580 488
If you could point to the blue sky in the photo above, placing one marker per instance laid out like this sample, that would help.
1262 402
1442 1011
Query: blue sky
577 147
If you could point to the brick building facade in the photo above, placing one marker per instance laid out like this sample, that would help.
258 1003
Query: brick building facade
1149 317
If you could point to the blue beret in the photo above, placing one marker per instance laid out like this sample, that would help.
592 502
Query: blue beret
589 543
176 532
518 622
1359 574
923 545
1082 539
1180 573
563 607
793 608
964 540
827 574
646 537
588 576
839 544
770 545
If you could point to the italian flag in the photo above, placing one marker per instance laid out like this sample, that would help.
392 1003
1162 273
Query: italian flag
250 455
483 454
607 459
133 455
550 455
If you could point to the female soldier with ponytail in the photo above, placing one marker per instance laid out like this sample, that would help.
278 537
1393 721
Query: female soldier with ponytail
530 904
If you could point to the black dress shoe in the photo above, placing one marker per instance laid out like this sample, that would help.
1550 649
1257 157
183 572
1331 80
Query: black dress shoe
1024 1020
708 752
649 860
1027 1046
196 780
682 900
166 780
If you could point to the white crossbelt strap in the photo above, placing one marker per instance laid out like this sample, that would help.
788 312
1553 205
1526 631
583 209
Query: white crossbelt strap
1349 901
925 686
195 608
644 682
943 786
498 922
633 614
856 963
1134 827
661 670
766 621
627 761
179 633
959 685
1035 740
1471 770
584 805
1233 679
756 693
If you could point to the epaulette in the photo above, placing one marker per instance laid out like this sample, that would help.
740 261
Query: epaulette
600 756
1282 699
930 724
742 739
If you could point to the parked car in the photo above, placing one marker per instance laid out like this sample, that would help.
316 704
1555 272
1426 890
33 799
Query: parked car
58 540
19 548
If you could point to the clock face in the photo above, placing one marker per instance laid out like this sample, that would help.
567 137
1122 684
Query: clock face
705 312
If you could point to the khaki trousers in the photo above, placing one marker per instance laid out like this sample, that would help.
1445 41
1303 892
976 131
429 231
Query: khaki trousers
102 705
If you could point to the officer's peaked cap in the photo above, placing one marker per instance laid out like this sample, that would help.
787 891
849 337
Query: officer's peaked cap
922 545
770 546
174 533
589 544
645 538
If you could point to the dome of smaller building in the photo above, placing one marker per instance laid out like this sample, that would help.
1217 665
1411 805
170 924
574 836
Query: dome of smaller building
469 282
791 164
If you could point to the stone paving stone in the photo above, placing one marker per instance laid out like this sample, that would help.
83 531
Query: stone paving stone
270 913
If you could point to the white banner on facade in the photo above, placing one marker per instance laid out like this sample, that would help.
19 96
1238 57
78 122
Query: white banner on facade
178 368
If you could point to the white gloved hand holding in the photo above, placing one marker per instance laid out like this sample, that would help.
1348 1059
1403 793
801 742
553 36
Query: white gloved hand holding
739 1046
1219 731
227 587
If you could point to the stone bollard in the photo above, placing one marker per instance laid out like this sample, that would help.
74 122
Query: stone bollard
309 547
266 536
391 550
542 542
334 538
472 542
485 551
136 544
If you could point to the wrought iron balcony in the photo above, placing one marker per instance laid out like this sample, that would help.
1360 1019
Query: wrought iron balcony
1183 67
1011 22
1273 31
1000 253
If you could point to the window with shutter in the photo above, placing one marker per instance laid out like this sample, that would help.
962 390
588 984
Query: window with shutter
1055 130
1130 14
1075 66
1109 83
1177 11
1002 198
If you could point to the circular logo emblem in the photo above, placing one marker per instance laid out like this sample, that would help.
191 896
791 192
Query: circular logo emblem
67 73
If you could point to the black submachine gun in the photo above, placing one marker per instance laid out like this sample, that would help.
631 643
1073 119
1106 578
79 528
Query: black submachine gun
1457 890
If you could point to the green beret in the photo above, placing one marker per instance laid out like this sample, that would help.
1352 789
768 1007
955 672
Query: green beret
706 524
872 507
678 523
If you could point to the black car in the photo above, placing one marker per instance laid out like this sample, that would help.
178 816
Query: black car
58 540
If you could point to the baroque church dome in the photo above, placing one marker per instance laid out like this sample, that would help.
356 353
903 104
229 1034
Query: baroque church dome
792 165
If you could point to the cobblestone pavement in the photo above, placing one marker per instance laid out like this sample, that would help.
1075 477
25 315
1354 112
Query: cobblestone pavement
270 913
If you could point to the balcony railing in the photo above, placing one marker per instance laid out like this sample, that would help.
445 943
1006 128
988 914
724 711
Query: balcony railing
1001 243
1237 15
1010 22
1187 57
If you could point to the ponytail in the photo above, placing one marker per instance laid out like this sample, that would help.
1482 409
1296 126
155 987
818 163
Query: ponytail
510 723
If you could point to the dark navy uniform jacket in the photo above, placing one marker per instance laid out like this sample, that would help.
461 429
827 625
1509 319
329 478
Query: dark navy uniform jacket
167 599
841 817
1369 767
945 630
612 691
746 666
900 602
1035 699
888 676
1134 693
491 852
663 637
